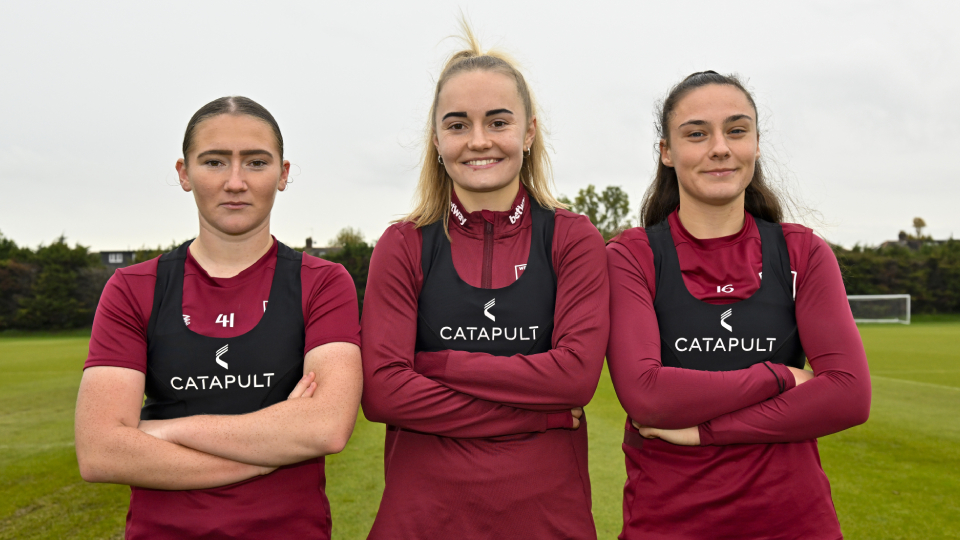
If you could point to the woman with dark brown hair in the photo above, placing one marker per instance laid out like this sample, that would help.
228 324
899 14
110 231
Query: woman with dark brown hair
715 304
247 352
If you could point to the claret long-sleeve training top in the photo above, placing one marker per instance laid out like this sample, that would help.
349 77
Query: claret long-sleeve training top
443 409
757 472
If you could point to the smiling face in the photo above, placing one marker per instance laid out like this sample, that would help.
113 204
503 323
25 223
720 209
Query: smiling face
713 145
481 134
234 171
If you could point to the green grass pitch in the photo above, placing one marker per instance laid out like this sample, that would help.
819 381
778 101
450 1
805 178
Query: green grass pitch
897 476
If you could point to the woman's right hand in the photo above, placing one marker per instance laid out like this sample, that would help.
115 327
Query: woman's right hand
577 412
800 375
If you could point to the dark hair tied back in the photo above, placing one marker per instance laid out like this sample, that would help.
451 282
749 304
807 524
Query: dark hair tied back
230 105
663 195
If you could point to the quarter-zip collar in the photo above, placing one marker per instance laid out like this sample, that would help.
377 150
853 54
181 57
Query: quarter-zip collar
508 223
749 230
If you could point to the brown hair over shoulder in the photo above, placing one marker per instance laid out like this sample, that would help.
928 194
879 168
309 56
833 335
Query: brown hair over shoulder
432 200
663 196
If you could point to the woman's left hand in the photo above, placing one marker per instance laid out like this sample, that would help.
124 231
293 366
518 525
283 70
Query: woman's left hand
683 437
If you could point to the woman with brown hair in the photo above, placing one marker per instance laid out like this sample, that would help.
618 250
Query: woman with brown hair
247 351
485 322
714 305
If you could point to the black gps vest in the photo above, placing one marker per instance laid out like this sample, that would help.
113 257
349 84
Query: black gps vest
707 337
190 374
516 319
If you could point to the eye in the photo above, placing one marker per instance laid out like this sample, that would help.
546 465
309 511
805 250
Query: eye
258 163
499 123
696 134
456 126
213 163
738 131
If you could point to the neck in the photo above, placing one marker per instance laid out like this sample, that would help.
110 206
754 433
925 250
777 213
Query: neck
705 221
223 255
499 200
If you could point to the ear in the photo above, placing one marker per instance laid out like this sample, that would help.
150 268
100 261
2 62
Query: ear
284 175
531 133
182 173
665 156
758 146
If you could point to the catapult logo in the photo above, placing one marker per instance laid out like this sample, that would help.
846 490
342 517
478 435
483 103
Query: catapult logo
220 352
715 344
723 319
479 333
207 382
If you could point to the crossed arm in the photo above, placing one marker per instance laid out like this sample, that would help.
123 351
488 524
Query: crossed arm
566 376
396 391
206 451
692 407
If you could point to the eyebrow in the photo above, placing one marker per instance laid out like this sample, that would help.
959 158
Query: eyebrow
729 119
460 114
255 152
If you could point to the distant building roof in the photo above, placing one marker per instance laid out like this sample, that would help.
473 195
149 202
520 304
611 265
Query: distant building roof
118 259
319 251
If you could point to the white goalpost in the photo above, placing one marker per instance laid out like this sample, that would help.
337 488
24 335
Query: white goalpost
880 308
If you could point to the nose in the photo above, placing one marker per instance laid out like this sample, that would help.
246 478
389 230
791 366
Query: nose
479 140
720 150
236 182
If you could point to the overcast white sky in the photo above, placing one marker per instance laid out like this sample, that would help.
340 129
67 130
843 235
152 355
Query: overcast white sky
860 103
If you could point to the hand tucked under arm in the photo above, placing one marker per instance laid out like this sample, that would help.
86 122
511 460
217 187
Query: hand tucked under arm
111 449
290 431
691 436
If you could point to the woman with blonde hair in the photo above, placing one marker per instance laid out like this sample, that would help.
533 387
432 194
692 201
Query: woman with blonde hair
485 326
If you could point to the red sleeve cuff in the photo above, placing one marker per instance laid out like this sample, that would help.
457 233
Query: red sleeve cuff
116 363
560 420
783 372
706 435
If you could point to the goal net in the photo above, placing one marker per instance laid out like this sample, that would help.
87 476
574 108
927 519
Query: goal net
880 308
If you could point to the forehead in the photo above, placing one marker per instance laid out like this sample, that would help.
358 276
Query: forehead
713 102
479 91
226 131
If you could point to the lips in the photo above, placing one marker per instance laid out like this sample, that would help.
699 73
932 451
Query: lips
481 163
720 172
235 205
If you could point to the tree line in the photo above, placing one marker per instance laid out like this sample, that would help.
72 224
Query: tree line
57 286
930 274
